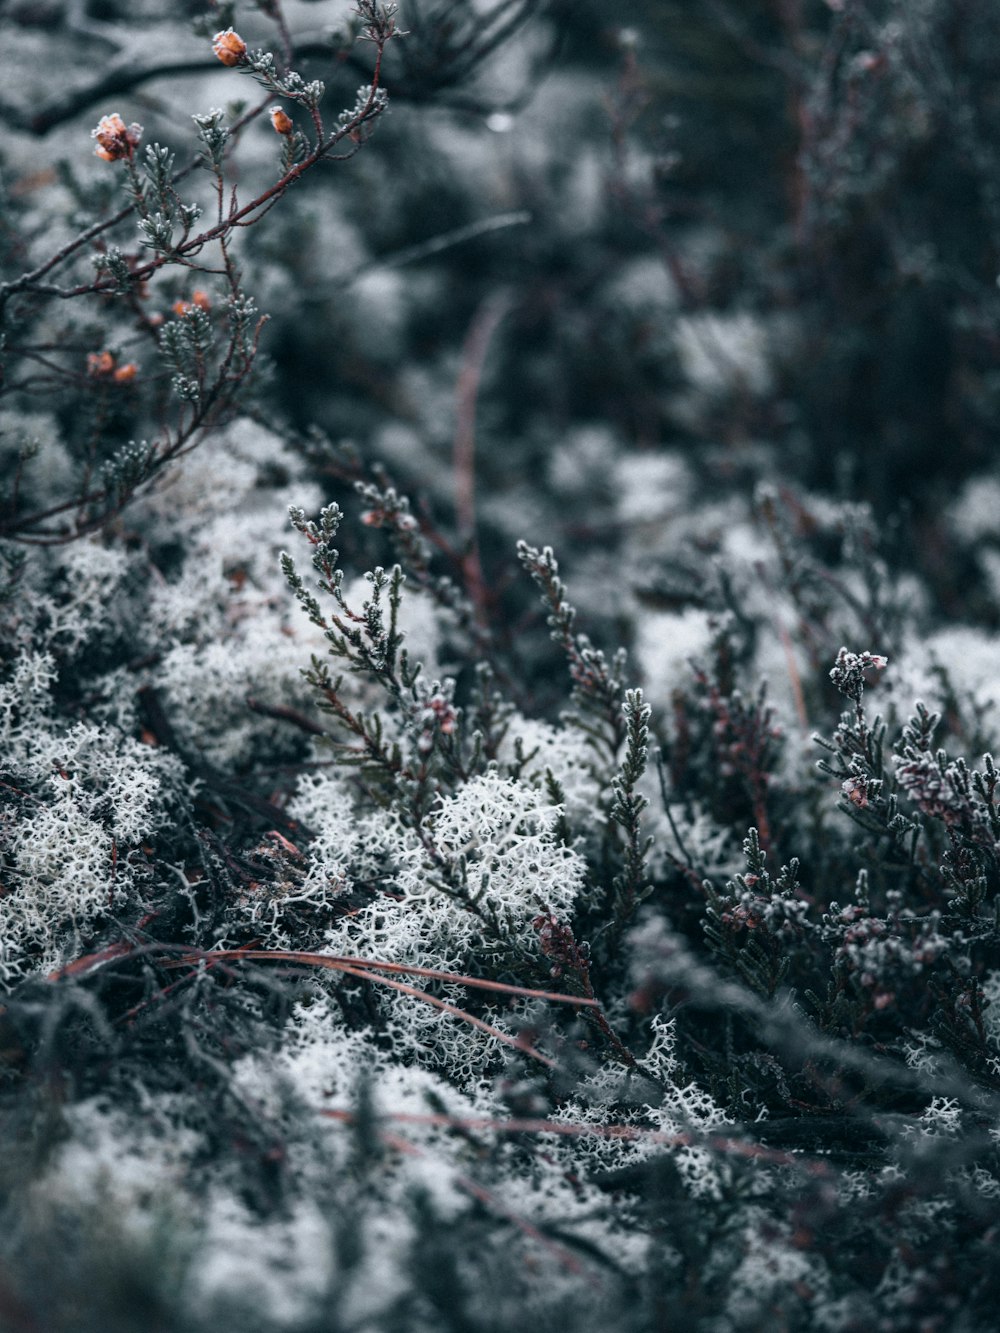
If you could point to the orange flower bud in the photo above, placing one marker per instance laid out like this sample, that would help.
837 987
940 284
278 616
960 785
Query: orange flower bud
115 139
100 364
229 46
199 300
281 122
127 373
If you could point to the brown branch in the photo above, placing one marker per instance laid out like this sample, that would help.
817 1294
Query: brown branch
121 78
244 216
453 1009
484 325
283 714
627 1133
362 968
336 960
29 281
420 85
485 1196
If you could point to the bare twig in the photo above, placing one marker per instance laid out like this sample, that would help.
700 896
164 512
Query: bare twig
477 344
625 1133
414 254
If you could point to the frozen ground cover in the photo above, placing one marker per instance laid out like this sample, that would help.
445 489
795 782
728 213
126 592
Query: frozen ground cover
499 614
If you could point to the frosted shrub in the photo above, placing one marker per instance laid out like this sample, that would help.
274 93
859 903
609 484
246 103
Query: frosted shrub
495 841
79 801
724 354
391 940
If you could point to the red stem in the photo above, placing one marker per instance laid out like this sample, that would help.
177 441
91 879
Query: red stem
477 343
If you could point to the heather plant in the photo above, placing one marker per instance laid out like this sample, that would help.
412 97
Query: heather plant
498 797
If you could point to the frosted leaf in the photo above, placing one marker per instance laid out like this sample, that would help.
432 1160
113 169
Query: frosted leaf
724 353
771 1264
975 513
666 641
651 488
567 754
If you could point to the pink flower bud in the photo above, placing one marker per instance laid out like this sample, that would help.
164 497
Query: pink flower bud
281 122
229 47
115 139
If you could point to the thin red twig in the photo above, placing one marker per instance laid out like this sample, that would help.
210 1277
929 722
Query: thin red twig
485 1196
484 325
629 1133
362 968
